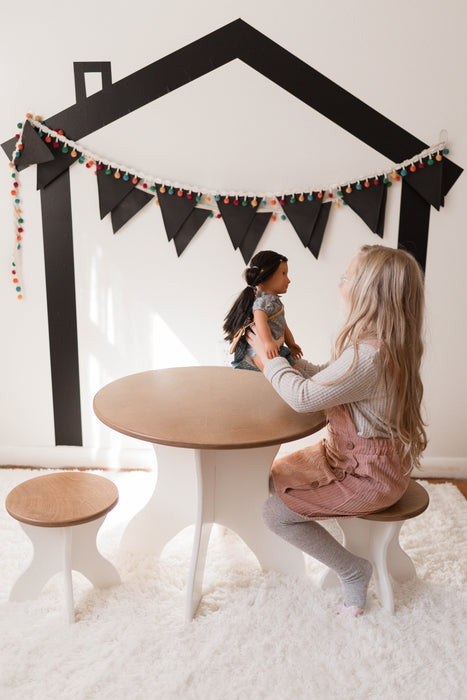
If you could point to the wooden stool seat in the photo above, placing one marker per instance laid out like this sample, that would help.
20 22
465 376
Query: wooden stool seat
376 537
61 513
414 501
62 499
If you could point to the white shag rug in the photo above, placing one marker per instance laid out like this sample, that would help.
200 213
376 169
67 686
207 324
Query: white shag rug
256 635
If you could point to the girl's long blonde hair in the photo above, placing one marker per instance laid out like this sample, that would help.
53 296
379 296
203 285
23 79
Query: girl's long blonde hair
386 304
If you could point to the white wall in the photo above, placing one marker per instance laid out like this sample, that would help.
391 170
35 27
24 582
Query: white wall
139 306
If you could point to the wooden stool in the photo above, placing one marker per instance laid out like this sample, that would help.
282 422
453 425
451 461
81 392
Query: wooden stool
61 513
376 538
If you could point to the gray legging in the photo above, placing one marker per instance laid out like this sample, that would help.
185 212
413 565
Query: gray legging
312 538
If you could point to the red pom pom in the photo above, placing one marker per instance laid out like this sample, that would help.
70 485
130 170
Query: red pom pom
20 230
144 185
189 195
281 201
330 194
376 181
236 202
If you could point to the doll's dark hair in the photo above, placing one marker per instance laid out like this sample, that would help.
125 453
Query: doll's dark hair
262 266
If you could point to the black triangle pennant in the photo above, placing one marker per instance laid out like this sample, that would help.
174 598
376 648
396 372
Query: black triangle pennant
428 182
253 235
369 203
319 228
47 172
175 210
189 229
451 172
237 217
111 189
302 215
128 207
34 149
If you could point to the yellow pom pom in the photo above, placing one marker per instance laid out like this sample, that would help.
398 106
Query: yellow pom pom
337 205
254 203
162 189
38 118
348 189
28 116
73 154
301 198
117 175
208 199
439 157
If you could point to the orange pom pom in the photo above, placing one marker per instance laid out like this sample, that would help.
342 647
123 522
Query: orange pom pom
162 189
439 157
348 189
273 202
254 203
117 175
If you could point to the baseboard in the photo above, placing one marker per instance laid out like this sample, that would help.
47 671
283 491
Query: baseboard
442 468
63 457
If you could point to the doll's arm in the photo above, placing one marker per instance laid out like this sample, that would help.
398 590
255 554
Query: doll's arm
291 344
262 329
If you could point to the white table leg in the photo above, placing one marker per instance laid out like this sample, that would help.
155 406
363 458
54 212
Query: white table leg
232 487
171 506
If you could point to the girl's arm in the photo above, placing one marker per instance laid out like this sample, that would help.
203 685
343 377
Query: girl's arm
333 386
291 344
264 332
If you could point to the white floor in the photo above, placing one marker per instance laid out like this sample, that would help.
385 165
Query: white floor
256 635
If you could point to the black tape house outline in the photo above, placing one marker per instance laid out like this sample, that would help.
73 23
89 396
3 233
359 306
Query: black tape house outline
236 40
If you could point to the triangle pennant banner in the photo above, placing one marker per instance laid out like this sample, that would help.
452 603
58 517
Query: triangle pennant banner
175 209
237 218
253 235
319 228
428 183
451 172
34 149
369 203
47 172
189 229
302 215
111 190
128 207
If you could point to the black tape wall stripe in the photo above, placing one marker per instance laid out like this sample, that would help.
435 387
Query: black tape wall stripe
414 222
61 309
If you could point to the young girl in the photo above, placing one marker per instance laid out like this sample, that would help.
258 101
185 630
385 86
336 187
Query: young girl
372 392
266 278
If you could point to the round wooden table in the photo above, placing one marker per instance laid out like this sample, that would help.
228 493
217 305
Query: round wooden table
231 424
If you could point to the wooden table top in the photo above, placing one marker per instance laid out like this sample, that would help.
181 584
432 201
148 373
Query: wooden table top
202 408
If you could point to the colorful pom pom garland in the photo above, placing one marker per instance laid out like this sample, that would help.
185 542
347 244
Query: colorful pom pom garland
269 202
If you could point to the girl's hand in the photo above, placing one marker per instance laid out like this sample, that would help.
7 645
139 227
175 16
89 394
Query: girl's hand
256 343
271 349
296 351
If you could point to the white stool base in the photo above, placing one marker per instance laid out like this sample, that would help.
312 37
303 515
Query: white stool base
377 541
64 549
